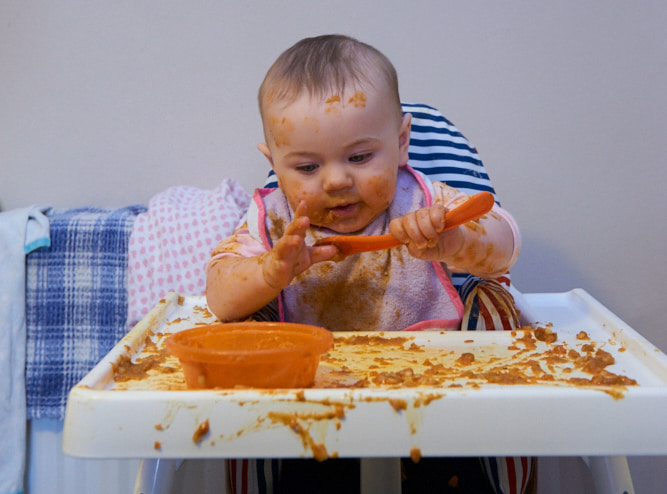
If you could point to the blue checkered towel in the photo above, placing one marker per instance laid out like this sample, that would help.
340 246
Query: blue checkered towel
76 302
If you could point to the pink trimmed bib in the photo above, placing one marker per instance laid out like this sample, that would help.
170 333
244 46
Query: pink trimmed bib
374 291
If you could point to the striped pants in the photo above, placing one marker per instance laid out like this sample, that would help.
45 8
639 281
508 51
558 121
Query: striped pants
497 475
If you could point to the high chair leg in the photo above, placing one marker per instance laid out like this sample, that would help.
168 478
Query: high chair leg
381 475
155 476
611 474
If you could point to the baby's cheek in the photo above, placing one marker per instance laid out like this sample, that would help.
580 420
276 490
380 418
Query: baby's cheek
316 212
313 209
292 190
383 187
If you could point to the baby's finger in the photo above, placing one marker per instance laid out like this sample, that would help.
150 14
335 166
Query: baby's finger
397 229
323 253
412 229
438 212
301 210
426 225
300 223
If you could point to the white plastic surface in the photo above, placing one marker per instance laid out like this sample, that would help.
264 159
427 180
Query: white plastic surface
468 421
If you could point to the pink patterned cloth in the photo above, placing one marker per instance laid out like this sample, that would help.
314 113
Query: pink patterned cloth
171 243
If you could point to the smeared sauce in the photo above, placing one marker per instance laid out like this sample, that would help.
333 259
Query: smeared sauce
392 361
535 357
201 431
383 360
358 99
281 129
398 404
354 292
300 423
466 358
332 105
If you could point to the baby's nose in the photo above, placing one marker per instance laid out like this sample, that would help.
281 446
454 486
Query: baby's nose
337 177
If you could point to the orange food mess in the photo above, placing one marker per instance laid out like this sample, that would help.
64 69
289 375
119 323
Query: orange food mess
398 404
382 360
358 99
201 430
281 130
466 358
300 423
397 361
333 105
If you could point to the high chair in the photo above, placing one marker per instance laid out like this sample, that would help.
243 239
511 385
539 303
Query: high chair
442 153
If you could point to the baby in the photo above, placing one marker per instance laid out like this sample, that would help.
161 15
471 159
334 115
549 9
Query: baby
337 141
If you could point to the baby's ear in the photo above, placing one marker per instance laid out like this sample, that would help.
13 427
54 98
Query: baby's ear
264 149
404 139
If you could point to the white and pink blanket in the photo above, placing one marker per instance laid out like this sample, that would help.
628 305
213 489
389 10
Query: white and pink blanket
171 243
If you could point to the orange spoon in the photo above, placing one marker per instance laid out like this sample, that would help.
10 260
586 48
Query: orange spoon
477 205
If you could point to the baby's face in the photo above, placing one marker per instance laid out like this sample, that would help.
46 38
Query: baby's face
340 156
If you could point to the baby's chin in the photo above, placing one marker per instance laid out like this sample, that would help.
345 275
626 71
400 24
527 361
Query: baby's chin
346 227
349 220
334 228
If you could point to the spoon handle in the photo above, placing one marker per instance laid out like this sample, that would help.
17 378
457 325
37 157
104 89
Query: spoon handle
476 206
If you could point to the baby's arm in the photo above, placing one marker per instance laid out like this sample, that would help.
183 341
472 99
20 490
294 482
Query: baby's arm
486 247
237 286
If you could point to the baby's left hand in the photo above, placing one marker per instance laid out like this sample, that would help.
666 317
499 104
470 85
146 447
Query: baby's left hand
422 232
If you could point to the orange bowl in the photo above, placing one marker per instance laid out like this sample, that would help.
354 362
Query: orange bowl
250 354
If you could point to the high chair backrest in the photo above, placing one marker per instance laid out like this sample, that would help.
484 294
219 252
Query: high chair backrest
442 153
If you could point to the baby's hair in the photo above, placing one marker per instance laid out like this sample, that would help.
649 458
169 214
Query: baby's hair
324 66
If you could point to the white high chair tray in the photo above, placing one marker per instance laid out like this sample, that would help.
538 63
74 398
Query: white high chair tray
557 411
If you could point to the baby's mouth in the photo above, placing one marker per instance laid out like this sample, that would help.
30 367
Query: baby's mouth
344 210
334 213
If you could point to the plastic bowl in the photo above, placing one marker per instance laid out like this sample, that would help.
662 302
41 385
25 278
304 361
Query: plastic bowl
250 354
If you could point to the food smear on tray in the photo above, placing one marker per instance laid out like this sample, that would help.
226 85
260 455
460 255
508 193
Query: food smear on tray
431 364
390 360
535 357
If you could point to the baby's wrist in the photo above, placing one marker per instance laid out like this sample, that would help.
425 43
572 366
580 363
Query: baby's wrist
271 272
453 242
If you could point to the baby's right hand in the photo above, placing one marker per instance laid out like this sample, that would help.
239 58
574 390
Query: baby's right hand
290 255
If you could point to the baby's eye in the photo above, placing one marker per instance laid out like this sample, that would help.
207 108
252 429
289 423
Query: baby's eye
309 168
360 158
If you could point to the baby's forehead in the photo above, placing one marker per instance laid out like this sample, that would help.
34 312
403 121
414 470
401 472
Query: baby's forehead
290 88
353 95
